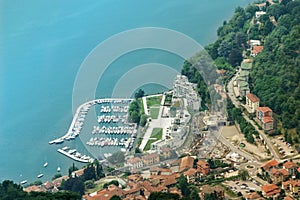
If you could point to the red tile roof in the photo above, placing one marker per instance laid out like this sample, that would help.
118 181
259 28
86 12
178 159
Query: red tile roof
267 119
270 189
264 109
290 165
279 172
269 164
190 172
252 97
257 49
186 162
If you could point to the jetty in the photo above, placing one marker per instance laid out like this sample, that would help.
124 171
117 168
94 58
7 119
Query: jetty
76 156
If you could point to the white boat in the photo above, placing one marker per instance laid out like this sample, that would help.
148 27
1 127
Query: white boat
45 164
23 182
40 175
58 169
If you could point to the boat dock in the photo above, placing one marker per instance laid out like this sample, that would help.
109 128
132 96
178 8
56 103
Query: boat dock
79 117
73 154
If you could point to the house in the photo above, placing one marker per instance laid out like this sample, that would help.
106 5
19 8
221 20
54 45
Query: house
254 43
150 159
106 193
278 175
295 187
291 167
186 163
259 13
135 163
270 191
217 191
269 165
246 66
252 102
252 196
203 167
256 50
264 116
191 174
166 152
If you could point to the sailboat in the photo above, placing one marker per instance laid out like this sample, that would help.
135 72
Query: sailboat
58 169
45 164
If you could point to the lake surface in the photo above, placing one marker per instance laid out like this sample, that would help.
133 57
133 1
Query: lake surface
42 46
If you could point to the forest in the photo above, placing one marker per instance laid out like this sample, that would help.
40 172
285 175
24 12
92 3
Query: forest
275 76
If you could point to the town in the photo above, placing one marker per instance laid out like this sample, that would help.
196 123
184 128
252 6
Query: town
181 145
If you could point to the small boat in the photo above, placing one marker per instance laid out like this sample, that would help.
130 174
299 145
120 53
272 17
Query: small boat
45 164
58 169
40 175
23 182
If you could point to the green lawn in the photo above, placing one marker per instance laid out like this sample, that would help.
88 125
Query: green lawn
156 133
140 101
154 111
154 101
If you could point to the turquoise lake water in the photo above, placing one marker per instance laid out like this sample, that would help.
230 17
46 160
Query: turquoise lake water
42 45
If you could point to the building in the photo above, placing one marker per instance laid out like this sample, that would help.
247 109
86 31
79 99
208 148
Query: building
203 167
182 88
291 167
269 165
259 13
252 102
186 163
106 194
150 159
252 196
254 43
291 185
270 191
191 175
264 116
135 163
217 191
278 175
246 66
256 50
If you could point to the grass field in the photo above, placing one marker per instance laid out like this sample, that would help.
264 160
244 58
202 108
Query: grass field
156 133
154 111
154 101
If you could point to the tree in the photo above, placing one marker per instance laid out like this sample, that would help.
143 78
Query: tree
115 197
183 186
194 194
56 176
140 93
143 120
89 173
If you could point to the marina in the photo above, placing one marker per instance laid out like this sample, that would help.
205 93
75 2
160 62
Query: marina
112 122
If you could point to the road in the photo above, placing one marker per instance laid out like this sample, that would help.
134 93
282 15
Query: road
237 104
264 136
230 92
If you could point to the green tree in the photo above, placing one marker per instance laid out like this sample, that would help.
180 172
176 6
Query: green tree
183 186
115 197
140 93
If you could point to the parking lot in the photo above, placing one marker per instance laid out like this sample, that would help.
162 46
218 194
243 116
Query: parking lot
284 148
245 187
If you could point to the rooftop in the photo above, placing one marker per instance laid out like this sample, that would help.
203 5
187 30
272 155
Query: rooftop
252 97
267 119
264 109
290 165
269 164
186 162
257 49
